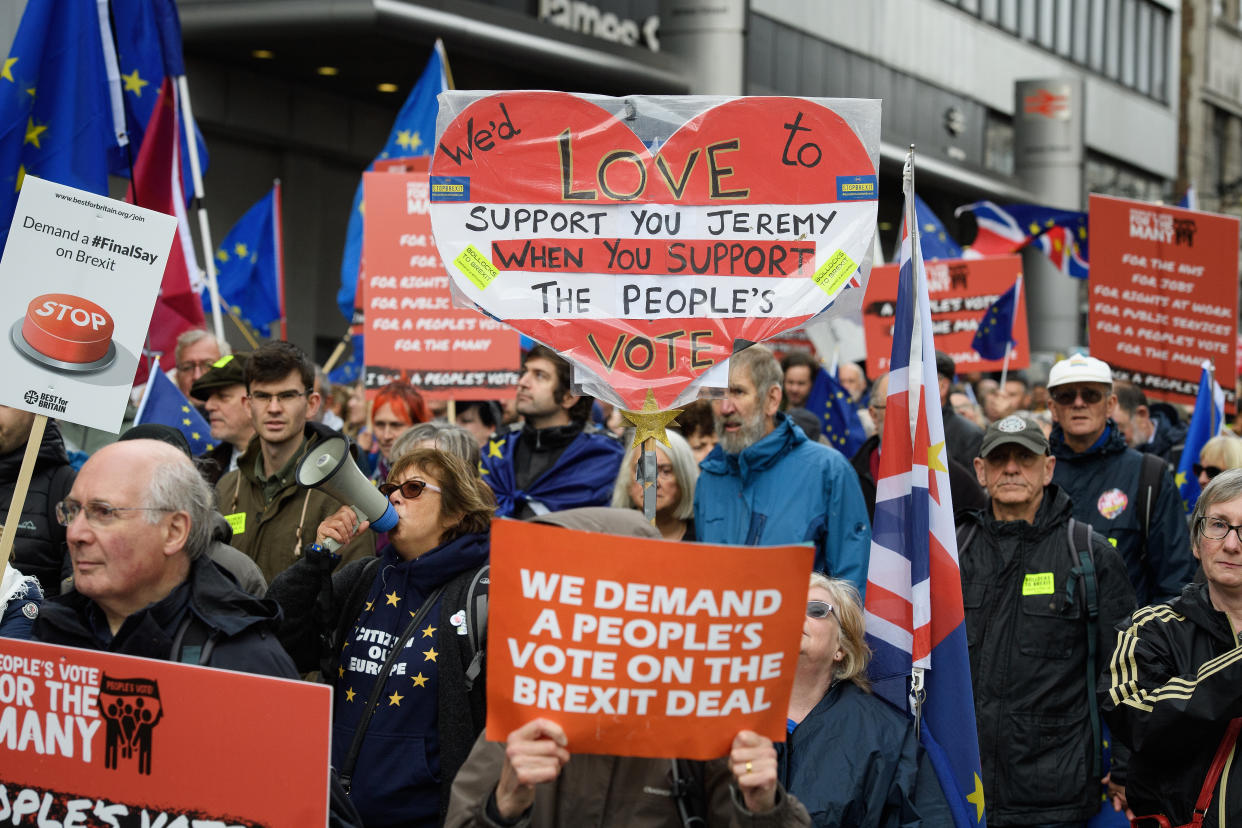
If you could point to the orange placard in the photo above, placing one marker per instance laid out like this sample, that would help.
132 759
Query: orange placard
96 739
412 331
641 647
960 291
1164 295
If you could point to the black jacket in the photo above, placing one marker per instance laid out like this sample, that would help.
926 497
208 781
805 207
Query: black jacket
961 437
1103 483
1170 690
243 627
963 485
39 548
1026 627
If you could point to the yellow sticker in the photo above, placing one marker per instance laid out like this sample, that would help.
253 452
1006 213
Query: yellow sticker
1113 541
222 361
237 522
834 272
1038 583
476 267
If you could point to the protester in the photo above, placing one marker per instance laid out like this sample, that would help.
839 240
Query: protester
853 380
223 393
271 515
138 523
20 600
354 411
1132 501
399 762
194 354
1042 593
964 407
39 542
850 758
963 487
555 462
676 474
765 483
480 417
799 369
961 437
1222 452
1171 690
1151 429
450 438
323 387
530 780
395 408
697 422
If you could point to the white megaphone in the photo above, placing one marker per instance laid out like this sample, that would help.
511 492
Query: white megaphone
330 468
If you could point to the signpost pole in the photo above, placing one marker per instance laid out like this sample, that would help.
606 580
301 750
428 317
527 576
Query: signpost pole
33 442
647 476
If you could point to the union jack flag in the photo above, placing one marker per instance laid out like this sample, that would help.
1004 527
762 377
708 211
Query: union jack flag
1060 234
915 620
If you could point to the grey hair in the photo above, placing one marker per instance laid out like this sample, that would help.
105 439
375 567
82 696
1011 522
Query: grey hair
449 438
761 366
848 607
685 471
194 335
176 485
1222 488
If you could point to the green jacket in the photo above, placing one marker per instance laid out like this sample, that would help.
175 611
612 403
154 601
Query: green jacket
274 535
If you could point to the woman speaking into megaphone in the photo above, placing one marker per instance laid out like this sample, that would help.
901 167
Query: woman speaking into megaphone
386 632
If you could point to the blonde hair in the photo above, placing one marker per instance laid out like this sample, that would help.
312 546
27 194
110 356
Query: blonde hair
1225 446
849 614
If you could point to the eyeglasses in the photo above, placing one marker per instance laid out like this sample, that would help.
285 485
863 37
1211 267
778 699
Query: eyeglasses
1216 529
202 366
1210 471
819 609
410 489
97 514
1066 396
262 398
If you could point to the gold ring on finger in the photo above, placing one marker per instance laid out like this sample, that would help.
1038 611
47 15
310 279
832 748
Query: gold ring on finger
749 767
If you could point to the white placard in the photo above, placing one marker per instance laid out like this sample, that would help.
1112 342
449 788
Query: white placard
76 264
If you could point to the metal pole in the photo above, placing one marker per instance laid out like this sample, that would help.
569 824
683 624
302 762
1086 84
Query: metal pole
204 228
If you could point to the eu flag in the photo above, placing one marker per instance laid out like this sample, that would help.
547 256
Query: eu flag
1060 234
55 110
413 134
995 331
247 266
1205 423
936 241
163 403
838 418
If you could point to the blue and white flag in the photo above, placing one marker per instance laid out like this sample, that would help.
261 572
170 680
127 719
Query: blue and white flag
1206 422
163 403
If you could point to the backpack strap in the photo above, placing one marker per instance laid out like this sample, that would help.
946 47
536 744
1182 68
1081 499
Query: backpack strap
194 641
687 784
1082 556
476 623
351 608
965 534
1151 473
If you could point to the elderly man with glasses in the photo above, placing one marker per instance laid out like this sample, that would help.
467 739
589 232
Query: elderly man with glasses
1128 497
138 522
271 516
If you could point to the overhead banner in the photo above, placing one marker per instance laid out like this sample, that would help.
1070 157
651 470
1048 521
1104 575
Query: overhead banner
960 291
95 739
646 238
412 331
79 277
1164 295
644 647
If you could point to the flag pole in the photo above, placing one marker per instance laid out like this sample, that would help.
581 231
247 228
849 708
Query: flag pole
917 692
204 228
1013 320
277 218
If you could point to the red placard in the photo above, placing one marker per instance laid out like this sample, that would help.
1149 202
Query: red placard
643 647
412 331
960 291
96 739
1164 295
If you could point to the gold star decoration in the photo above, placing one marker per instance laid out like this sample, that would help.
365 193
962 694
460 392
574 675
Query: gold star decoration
933 457
349 694
370 604
341 671
33 132
976 798
651 421
427 633
7 71
493 448
241 250
419 681
392 599
430 655
133 83
395 699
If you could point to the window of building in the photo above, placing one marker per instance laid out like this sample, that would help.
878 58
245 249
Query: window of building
998 144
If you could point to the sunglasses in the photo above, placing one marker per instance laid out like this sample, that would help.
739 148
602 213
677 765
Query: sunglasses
1210 471
1066 396
410 489
819 609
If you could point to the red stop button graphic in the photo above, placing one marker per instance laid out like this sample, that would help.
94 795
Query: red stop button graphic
67 328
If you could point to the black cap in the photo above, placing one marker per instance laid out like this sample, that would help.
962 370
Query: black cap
945 366
163 433
225 371
1016 428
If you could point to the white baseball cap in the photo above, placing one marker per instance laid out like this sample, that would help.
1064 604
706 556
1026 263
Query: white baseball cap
1080 368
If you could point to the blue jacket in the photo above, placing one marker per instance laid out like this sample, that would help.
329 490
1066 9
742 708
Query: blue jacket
854 760
19 609
1103 484
786 489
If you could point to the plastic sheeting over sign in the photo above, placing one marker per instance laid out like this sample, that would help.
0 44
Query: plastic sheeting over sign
647 238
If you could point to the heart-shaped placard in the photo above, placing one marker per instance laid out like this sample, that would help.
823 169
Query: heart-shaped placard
645 238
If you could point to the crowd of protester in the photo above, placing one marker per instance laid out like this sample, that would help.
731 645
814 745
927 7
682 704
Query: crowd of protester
1099 614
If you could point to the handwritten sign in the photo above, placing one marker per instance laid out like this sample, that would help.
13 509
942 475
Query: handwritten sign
96 739
641 647
1164 295
644 238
